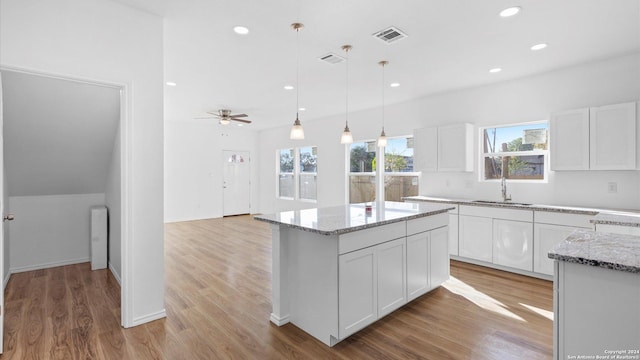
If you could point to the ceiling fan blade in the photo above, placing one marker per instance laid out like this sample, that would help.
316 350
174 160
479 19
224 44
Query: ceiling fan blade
242 120
238 115
213 113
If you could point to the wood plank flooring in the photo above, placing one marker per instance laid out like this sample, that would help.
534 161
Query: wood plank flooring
218 304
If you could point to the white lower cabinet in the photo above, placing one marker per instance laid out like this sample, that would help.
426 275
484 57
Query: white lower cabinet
427 261
453 232
357 293
547 236
513 244
391 274
438 257
475 237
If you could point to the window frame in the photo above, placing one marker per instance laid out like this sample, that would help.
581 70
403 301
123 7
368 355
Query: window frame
296 174
379 181
535 152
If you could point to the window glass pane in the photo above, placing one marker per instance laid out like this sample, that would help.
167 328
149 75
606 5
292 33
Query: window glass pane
530 167
308 186
285 185
308 160
286 160
398 155
362 157
362 188
515 138
397 187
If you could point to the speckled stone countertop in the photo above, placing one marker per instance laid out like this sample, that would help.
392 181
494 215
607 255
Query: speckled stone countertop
353 217
621 219
609 251
508 205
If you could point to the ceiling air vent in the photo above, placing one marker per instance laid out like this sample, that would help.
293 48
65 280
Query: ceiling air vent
390 35
331 58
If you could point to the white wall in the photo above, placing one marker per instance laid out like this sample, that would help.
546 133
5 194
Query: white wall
194 167
50 230
527 99
102 40
7 236
113 201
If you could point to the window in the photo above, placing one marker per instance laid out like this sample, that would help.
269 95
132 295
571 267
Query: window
399 178
516 152
297 173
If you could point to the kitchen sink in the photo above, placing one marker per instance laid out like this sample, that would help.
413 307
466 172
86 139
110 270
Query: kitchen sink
500 202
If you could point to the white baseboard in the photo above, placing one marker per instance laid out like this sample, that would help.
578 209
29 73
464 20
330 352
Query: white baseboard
48 265
150 317
115 274
6 279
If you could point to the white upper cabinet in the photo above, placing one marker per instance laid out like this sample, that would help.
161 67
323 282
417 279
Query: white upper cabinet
599 138
613 137
444 148
570 140
425 149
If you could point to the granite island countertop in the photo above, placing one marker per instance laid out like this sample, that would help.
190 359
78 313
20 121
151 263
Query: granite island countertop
338 220
609 251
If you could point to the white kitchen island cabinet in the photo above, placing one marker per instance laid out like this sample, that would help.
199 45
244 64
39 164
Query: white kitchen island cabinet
336 270
596 290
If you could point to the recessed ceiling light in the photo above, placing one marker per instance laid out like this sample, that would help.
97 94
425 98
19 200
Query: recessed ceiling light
241 30
288 87
537 47
394 84
495 70
508 12
171 83
302 109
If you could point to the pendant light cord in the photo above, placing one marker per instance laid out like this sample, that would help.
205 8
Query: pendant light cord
297 71
383 63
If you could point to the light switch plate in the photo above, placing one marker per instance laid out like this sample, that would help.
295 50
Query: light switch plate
612 187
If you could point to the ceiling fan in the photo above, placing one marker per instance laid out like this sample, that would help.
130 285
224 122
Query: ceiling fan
225 117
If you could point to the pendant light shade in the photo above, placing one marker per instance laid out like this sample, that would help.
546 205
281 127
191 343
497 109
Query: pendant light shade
297 133
346 137
382 140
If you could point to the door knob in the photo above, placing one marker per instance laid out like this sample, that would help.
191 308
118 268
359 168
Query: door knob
8 217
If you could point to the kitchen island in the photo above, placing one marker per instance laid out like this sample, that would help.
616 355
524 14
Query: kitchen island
336 270
596 291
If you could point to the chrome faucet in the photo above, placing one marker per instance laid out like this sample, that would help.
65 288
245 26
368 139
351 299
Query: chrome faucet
505 197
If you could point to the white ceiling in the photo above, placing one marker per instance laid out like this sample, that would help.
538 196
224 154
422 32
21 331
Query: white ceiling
58 134
451 45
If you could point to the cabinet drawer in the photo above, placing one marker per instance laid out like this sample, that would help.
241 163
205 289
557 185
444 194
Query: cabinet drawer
368 237
554 218
497 213
427 223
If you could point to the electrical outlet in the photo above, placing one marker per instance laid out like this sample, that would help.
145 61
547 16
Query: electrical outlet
468 184
612 187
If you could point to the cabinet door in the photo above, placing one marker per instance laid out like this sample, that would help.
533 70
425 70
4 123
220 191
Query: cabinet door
439 257
417 265
547 236
391 271
613 137
570 140
425 149
357 297
455 147
512 244
476 237
453 234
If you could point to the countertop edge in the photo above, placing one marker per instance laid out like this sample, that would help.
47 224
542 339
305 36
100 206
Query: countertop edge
534 207
596 263
355 228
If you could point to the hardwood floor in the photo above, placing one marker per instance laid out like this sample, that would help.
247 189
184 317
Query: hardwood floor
218 304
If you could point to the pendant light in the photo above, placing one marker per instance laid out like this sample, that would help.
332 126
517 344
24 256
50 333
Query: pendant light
297 133
346 138
382 140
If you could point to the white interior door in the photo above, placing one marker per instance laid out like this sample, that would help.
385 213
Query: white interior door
236 185
3 200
